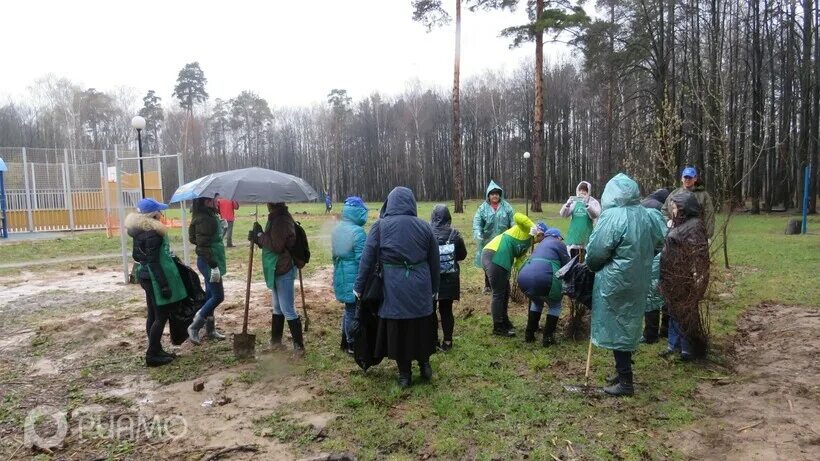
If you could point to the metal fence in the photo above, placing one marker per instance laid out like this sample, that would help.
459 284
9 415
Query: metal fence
70 189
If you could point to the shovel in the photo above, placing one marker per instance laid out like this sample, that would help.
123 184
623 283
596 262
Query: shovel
304 306
244 344
585 388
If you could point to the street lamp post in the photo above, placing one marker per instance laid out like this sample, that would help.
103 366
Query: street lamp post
526 195
139 124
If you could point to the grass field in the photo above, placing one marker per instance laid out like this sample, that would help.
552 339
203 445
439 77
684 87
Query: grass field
497 398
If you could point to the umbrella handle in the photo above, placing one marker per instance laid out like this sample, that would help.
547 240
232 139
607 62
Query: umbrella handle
304 306
248 291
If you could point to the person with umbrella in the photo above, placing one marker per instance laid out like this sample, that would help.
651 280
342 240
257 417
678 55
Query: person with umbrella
279 268
205 231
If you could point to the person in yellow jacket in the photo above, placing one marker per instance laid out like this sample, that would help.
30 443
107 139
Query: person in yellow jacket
503 253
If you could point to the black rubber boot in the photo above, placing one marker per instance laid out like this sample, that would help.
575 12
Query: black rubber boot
532 326
426 370
210 329
499 329
613 380
405 374
549 331
295 327
650 328
623 364
156 360
277 325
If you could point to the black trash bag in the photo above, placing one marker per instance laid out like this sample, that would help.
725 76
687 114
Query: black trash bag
363 331
182 313
577 281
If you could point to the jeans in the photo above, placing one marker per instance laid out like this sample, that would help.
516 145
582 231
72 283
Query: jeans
214 292
676 338
537 305
348 320
229 234
283 295
156 319
500 283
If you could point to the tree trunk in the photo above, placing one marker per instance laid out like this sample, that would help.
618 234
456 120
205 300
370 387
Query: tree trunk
538 112
455 158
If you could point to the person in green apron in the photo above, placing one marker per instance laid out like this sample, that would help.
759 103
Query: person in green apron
280 272
538 282
583 210
158 274
205 232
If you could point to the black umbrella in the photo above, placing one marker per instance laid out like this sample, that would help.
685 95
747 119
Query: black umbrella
248 185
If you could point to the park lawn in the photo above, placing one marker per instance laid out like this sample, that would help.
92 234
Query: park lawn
496 398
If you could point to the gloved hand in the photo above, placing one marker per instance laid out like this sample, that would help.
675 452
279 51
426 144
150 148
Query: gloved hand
216 277
534 231
252 236
165 292
257 228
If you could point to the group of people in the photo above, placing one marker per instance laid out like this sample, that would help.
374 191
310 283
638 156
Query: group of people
640 258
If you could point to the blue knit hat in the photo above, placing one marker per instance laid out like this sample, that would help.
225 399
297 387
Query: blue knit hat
542 227
149 205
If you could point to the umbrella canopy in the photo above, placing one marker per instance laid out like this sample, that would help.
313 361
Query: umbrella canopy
248 185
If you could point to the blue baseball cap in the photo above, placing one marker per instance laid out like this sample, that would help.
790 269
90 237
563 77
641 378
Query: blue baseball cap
355 201
149 205
690 171
553 232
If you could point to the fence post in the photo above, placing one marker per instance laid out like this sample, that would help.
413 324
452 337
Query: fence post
104 188
29 213
121 210
67 185
182 212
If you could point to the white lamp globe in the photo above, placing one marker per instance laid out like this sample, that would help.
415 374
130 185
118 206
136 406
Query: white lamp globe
138 123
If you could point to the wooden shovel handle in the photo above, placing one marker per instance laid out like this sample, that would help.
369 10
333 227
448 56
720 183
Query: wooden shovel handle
304 306
248 291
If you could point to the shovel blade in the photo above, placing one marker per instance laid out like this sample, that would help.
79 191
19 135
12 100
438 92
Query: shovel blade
244 345
584 389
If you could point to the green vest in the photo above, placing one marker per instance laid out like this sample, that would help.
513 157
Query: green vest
269 261
172 277
580 226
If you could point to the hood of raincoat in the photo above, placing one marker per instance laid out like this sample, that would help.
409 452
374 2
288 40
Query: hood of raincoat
492 186
688 203
578 188
660 195
400 202
440 216
354 211
620 191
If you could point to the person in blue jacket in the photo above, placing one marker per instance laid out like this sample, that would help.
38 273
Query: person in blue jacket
538 282
347 244
328 203
408 251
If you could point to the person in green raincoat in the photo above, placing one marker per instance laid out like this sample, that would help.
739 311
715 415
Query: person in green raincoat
620 252
157 272
583 210
280 271
493 217
205 231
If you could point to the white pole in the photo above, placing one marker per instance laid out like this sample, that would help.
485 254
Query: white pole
104 187
29 214
182 212
69 198
121 209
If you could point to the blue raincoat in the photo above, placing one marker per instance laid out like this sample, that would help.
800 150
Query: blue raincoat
347 244
409 253
620 252
488 223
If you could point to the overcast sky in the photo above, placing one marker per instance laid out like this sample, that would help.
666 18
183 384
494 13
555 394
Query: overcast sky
290 52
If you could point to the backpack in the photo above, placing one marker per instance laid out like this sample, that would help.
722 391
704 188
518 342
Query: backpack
447 255
300 251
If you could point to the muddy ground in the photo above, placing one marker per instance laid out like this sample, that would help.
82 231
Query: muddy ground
74 340
769 408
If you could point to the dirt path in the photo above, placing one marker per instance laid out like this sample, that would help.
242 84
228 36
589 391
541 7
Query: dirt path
770 409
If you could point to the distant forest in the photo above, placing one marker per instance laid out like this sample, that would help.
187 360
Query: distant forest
730 86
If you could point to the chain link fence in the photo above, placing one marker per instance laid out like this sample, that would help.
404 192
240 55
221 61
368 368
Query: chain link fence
72 189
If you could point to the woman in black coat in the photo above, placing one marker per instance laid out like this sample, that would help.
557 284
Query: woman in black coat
451 249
